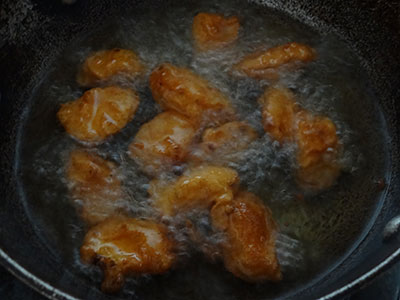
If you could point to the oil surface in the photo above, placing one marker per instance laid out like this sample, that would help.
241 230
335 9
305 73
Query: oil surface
316 231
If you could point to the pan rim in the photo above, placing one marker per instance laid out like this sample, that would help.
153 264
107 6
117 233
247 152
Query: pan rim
45 289
31 280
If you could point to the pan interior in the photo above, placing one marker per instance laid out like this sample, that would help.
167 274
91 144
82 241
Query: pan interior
317 232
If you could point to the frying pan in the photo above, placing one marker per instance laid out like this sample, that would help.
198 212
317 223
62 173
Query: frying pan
33 34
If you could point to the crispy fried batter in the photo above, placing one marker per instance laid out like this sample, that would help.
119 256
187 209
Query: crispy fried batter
214 31
249 250
102 66
125 246
94 184
218 143
181 90
200 187
278 113
162 142
99 113
315 136
265 64
318 149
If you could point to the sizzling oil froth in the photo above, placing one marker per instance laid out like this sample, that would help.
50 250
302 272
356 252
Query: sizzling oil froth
315 231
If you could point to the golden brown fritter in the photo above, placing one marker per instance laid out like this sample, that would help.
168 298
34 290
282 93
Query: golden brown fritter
125 246
265 64
95 185
218 143
319 175
200 187
181 90
105 65
315 136
162 142
278 113
318 150
214 31
249 250
99 113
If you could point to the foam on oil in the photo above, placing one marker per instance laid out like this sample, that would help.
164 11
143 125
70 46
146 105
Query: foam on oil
315 230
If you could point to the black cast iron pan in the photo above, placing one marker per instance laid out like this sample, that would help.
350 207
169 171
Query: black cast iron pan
33 34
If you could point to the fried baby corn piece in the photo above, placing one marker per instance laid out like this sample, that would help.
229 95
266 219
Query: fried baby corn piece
217 143
279 111
249 250
103 66
125 246
315 136
99 113
200 187
213 31
181 90
162 142
318 146
94 184
264 65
